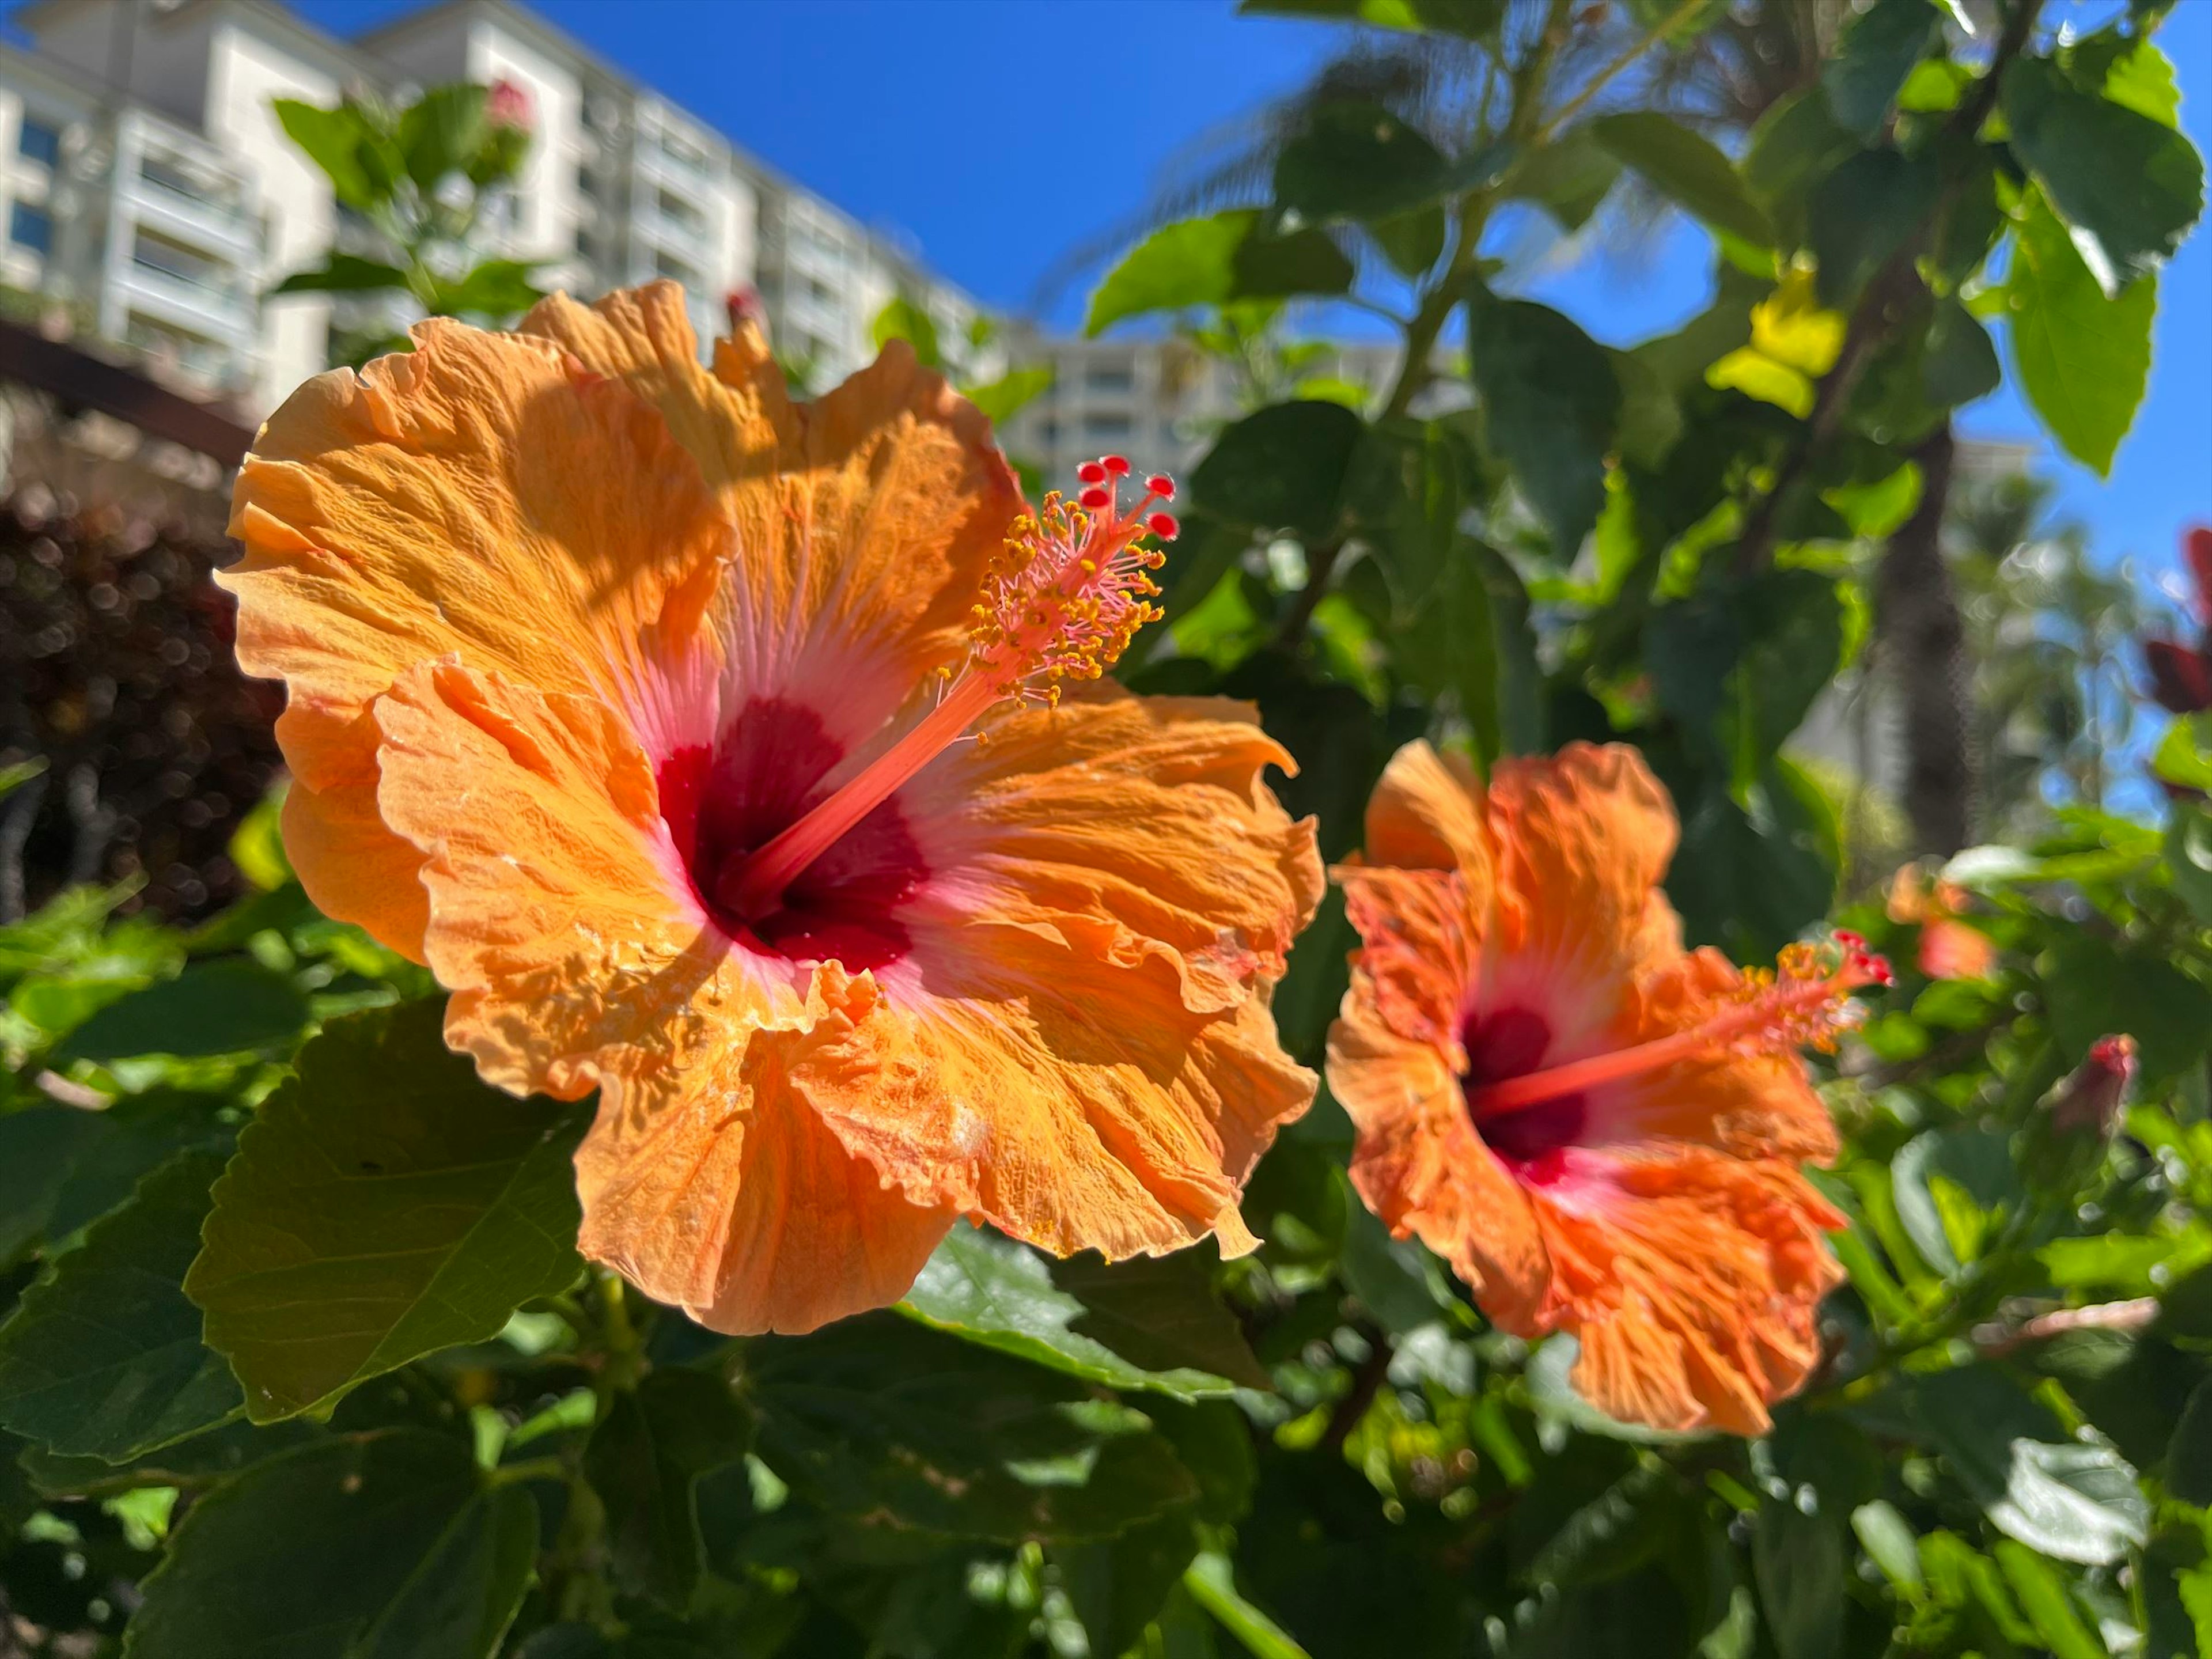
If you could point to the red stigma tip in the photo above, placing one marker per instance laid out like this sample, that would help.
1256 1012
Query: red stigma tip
1094 498
1164 525
1116 465
1161 485
1850 940
1091 473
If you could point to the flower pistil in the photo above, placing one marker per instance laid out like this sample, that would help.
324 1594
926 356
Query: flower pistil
1803 1001
1062 601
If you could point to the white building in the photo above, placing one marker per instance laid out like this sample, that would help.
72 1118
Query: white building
146 187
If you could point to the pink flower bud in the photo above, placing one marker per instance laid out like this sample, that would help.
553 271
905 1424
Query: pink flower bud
508 105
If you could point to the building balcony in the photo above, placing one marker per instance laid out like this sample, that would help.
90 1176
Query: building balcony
223 313
225 232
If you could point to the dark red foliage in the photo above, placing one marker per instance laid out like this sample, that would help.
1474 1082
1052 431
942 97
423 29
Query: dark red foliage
116 669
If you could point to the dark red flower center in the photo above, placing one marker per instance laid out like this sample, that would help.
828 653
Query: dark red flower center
762 775
1508 1042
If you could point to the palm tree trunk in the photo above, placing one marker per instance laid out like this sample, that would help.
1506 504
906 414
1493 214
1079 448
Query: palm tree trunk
1920 638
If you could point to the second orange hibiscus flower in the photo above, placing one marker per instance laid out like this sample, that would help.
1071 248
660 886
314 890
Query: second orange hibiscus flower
1599 1130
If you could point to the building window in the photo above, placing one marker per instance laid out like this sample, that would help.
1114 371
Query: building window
32 227
666 264
681 214
1101 378
173 260
40 142
1108 426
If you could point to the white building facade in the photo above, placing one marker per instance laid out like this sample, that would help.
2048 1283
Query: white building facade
147 191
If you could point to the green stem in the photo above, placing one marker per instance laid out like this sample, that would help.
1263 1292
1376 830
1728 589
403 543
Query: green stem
529 1469
1211 1583
625 1356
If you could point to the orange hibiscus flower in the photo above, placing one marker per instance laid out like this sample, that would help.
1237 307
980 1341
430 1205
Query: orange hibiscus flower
1600 1131
710 749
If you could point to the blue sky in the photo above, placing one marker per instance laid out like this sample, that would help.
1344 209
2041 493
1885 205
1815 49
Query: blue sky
999 133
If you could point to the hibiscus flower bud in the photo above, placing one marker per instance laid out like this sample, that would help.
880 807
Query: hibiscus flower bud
2067 1137
507 105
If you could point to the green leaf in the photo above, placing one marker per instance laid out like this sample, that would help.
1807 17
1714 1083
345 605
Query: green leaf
348 150
229 1006
645 1460
1355 160
191 1465
1960 363
39 1147
104 1358
2083 358
2130 186
1568 178
1862 213
1879 49
1689 170
386 1204
2074 1501
1002 1295
1741 665
908 1430
1751 879
1890 1544
1001 399
1412 241
2189 1457
903 319
441 131
344 273
1210 262
16 773
2128 69
1474 20
1796 143
1117 1586
2188 856
1282 468
1798 1560
2042 1593
391 1546
1948 1185
1550 404
494 288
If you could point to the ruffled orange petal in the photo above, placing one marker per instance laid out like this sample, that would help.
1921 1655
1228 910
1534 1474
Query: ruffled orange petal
1583 839
864 519
349 860
559 918
721 1189
1125 828
1692 1281
477 497
1072 1103
1426 813
1417 1162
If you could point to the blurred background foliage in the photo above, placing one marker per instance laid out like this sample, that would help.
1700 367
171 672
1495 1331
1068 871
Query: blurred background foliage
358 1396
